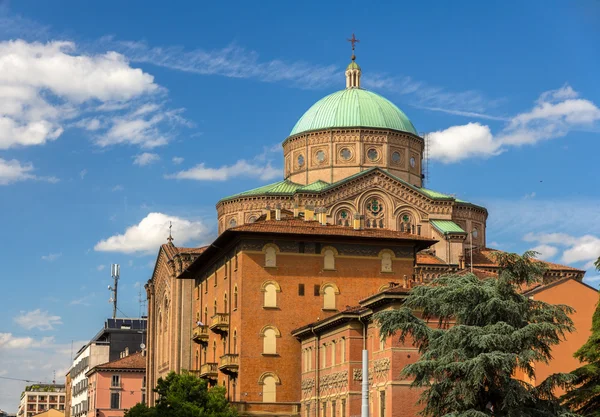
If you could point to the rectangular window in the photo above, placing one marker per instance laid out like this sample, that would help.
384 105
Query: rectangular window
143 398
381 403
343 408
333 409
317 290
114 400
301 289
144 382
325 409
307 409
116 381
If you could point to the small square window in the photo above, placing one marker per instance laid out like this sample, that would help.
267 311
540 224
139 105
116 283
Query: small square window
301 289
317 290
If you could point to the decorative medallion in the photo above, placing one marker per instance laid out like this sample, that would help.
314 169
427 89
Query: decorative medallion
320 156
396 157
344 214
374 206
406 218
300 160
412 161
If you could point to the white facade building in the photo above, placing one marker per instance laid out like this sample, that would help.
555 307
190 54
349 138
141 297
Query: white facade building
94 353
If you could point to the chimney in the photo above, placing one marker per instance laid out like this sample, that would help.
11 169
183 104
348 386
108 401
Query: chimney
278 211
268 212
309 212
357 221
296 210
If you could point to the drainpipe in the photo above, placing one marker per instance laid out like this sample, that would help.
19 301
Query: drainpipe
364 411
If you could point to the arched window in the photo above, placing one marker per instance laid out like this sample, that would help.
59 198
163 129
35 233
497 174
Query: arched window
333 353
205 314
197 316
342 350
235 341
204 354
374 213
343 217
310 358
215 307
269 381
323 355
197 360
235 297
214 350
329 292
406 223
270 251
329 254
225 303
270 335
224 342
232 222
270 290
386 260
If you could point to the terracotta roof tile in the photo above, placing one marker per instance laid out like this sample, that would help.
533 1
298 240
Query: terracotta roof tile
484 258
311 227
135 361
171 250
426 258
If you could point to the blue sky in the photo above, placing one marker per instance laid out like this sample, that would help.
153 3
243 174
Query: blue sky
116 117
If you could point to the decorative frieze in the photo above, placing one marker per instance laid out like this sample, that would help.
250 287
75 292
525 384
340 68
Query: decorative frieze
334 380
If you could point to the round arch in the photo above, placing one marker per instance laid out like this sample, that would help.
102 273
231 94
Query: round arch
261 378
270 327
263 287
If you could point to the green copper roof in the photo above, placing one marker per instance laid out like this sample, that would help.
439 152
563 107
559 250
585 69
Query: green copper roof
284 187
315 186
353 107
353 65
435 194
446 226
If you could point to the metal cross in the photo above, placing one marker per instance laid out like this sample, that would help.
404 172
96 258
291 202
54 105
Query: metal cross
353 41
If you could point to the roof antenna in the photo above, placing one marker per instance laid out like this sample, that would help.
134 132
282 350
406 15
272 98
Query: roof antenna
170 238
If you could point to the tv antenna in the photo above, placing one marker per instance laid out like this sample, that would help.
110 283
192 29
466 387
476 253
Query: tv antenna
425 170
115 272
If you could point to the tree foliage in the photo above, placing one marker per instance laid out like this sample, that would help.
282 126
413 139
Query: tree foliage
475 336
585 397
184 395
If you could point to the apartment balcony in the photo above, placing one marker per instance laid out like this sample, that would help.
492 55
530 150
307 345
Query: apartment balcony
209 371
200 334
229 363
219 322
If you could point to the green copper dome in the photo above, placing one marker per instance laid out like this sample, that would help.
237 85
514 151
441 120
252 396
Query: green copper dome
353 107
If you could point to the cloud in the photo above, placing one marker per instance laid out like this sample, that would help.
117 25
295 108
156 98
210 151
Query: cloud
145 158
241 168
83 301
118 187
37 319
83 173
146 236
8 341
51 257
177 160
584 248
554 115
12 171
545 252
100 267
44 84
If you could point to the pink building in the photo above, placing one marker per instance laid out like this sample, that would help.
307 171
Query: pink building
117 386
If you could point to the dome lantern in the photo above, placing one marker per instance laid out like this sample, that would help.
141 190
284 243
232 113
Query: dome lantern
353 71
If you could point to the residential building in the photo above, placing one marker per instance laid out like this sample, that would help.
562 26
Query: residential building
116 336
117 386
41 397
51 413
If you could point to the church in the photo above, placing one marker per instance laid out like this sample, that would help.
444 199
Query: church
277 309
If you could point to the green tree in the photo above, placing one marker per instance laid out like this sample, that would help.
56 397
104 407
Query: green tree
474 335
585 397
184 395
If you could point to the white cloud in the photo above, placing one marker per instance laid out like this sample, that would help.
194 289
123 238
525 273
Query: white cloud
545 252
555 114
151 232
241 168
461 142
100 267
43 84
145 158
177 160
118 187
83 301
83 173
51 257
584 248
37 319
12 171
